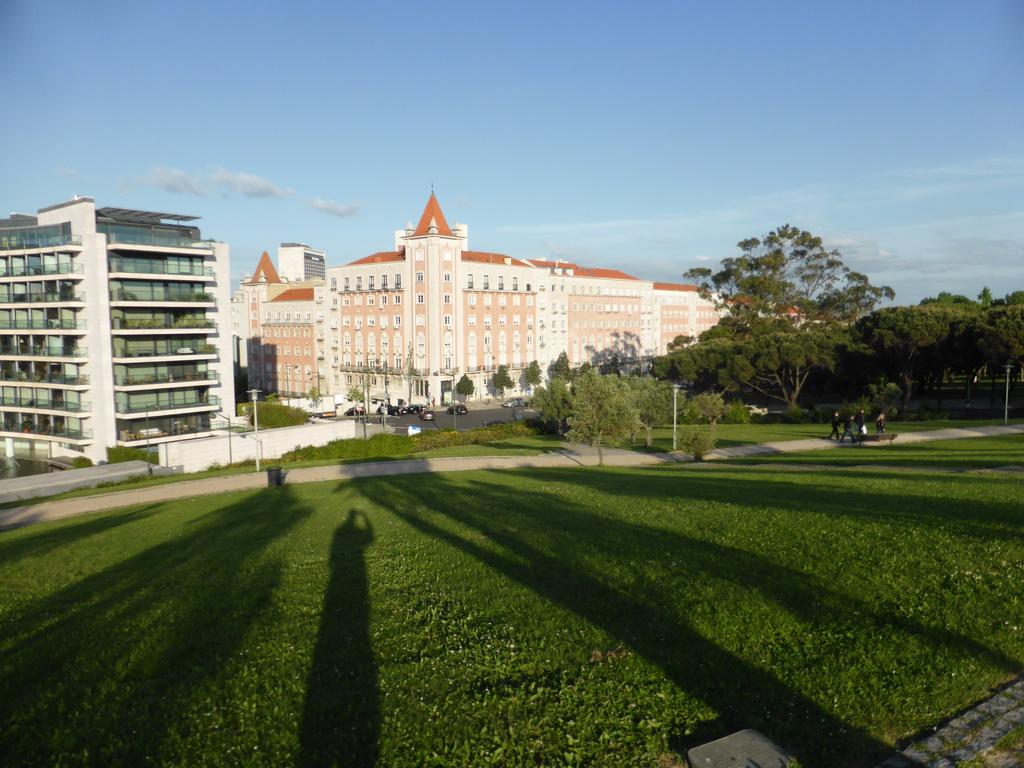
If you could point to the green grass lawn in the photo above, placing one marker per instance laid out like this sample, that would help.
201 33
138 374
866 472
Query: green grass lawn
604 617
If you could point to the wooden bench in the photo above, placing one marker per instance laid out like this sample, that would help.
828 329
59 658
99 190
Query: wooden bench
882 438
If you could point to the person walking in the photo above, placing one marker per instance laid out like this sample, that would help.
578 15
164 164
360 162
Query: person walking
861 423
836 424
848 429
880 423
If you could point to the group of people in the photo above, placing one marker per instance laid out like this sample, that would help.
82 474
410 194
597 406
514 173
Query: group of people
855 425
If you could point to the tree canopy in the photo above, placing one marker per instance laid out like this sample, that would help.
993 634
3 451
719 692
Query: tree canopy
502 381
601 413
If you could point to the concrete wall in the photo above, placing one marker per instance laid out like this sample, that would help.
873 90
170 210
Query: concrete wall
222 448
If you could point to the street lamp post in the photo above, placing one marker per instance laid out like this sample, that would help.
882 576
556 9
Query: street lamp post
1006 400
256 425
675 413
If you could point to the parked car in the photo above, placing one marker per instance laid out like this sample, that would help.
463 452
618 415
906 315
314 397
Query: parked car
393 410
355 410
426 415
458 408
415 408
515 402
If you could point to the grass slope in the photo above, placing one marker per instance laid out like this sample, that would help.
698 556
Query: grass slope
543 617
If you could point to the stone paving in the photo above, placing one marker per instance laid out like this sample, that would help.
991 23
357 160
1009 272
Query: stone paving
989 736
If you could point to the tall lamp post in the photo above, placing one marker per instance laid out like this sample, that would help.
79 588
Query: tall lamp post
149 464
256 425
1006 400
231 459
675 413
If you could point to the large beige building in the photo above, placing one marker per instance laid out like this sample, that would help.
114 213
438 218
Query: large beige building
420 316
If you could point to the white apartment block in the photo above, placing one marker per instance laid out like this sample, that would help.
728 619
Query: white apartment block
111 330
432 310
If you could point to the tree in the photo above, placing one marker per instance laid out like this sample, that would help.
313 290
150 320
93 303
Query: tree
315 397
355 394
410 371
710 406
560 368
554 402
585 367
652 401
532 375
465 387
601 413
789 276
902 337
502 381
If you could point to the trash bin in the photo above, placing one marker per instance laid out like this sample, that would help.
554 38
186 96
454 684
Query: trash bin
274 476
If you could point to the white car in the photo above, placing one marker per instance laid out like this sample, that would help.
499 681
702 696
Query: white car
515 402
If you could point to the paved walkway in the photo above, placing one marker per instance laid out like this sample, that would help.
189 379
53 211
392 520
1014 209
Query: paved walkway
977 737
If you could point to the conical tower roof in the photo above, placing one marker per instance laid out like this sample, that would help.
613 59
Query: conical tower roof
432 217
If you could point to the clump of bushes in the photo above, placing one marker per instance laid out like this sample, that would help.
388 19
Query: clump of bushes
117 454
274 415
736 412
384 445
81 462
697 441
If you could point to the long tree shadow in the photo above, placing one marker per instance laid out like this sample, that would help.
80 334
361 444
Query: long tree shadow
105 670
341 715
558 552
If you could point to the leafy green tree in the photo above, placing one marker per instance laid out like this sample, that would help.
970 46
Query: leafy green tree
787 276
502 381
315 397
601 412
903 337
985 298
560 369
946 299
554 402
710 406
410 372
585 368
355 394
1014 299
652 401
532 375
465 387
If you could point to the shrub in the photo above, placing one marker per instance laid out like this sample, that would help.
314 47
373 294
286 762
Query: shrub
81 462
697 441
794 415
120 453
736 413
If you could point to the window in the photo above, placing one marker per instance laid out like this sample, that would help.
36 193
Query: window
501 282
447 298
447 321
398 299
469 282
384 282
471 320
472 299
420 298
369 282
369 300
398 321
419 277
447 277
398 281
346 283
487 282
383 300
515 283
359 283
334 283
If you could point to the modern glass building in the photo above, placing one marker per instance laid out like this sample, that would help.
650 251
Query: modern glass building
110 330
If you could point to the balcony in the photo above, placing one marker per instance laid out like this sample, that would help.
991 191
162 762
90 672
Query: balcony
210 401
25 351
52 405
165 350
157 267
27 239
40 271
154 240
139 380
167 323
167 296
34 378
41 298
31 429
41 324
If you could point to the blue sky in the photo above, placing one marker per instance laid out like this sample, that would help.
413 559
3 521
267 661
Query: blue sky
650 138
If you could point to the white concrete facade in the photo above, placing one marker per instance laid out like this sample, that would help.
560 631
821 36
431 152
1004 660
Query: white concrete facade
111 331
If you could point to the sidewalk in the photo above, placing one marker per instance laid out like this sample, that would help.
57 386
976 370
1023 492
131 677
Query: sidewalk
568 456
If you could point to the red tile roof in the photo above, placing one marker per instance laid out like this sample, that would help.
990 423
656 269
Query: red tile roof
295 294
380 258
612 274
493 258
432 216
266 270
675 287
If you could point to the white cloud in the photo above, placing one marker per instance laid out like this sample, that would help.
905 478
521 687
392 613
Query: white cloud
174 180
334 209
71 173
246 184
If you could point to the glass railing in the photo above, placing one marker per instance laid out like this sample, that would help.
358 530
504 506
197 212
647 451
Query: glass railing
197 403
165 350
32 378
38 298
52 405
138 267
136 324
18 270
159 241
123 295
42 324
7 349
165 378
25 239
31 429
